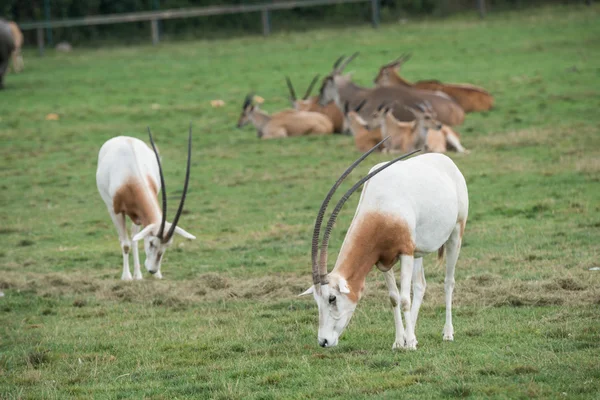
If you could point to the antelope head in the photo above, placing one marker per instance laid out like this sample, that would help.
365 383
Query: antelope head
305 103
426 115
247 109
349 113
158 238
329 87
330 290
386 72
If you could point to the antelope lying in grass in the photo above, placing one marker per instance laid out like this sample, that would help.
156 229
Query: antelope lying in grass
364 138
312 104
17 57
129 177
340 89
405 211
424 133
469 97
285 123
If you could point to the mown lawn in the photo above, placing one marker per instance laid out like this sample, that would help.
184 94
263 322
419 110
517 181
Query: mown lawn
225 322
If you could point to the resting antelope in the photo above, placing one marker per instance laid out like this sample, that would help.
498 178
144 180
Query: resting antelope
425 132
284 123
469 97
17 56
129 177
340 89
405 211
364 138
312 104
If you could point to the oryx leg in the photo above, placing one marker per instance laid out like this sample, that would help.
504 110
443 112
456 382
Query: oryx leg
452 250
419 285
137 272
119 221
407 264
395 300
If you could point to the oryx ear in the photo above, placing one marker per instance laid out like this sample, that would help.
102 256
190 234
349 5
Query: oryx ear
344 286
310 290
145 232
184 233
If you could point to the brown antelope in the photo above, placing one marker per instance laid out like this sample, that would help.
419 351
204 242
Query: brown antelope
425 132
406 210
312 104
285 123
17 57
129 177
364 138
340 89
469 97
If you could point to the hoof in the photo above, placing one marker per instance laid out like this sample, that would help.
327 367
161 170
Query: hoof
126 277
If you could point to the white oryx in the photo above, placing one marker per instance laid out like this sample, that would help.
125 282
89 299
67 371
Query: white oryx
129 177
406 210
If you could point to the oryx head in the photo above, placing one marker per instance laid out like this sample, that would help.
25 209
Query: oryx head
334 296
303 104
158 238
329 88
384 77
354 112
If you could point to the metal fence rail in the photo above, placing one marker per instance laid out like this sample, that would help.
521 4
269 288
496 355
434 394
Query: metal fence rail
155 16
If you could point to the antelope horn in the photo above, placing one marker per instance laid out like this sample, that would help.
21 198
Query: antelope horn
403 58
346 108
360 105
340 204
185 189
163 188
310 87
316 272
337 62
248 100
346 62
290 88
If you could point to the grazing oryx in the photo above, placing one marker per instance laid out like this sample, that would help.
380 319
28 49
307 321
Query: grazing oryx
425 132
17 57
7 46
284 123
340 89
405 211
364 138
469 97
312 104
129 177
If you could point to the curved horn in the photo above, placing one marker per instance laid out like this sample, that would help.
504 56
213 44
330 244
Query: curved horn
346 62
403 58
290 88
185 189
346 108
248 100
317 230
340 204
163 187
310 87
337 62
360 105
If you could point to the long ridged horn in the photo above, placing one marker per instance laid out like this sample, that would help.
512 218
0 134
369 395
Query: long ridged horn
163 188
248 100
346 62
185 189
317 230
290 88
340 204
310 87
337 62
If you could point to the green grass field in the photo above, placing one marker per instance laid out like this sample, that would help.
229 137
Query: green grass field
226 322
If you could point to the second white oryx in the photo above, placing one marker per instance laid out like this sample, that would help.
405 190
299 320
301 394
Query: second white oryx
405 211
129 177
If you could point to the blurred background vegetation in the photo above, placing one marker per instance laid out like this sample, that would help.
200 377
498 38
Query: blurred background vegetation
226 25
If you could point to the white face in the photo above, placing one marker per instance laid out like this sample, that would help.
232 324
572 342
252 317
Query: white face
328 92
155 250
335 311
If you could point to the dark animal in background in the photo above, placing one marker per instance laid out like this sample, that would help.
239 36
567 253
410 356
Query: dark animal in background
7 46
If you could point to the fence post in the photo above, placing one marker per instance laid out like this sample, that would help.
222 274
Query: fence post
266 21
375 13
155 36
481 6
40 41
